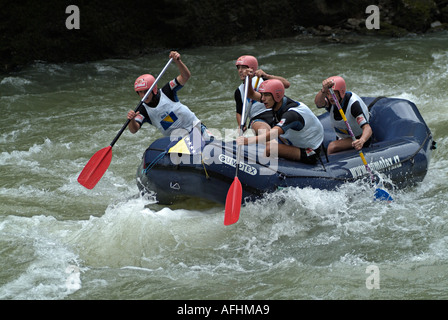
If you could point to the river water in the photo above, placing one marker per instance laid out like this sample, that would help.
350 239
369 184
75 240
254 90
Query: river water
59 240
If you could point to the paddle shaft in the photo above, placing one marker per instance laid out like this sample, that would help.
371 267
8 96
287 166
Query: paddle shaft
251 102
141 102
361 154
238 155
235 193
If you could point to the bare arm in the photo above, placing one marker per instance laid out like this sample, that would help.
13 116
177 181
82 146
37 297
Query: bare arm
184 72
366 134
262 138
264 75
134 126
320 99
238 118
251 93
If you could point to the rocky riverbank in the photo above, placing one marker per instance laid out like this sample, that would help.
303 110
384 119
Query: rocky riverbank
115 28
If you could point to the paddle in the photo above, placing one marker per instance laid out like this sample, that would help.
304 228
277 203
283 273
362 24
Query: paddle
98 164
235 193
380 194
251 102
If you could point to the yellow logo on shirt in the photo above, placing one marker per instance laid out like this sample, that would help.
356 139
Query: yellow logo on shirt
168 120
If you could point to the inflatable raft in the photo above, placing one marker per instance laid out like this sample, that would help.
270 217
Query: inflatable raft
400 150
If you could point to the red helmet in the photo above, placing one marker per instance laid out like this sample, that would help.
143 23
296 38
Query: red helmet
339 85
249 61
145 82
274 87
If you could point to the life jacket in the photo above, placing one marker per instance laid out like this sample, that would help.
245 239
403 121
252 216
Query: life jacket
312 134
339 125
168 116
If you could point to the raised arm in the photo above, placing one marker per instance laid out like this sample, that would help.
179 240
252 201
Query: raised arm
185 74
264 75
321 97
251 93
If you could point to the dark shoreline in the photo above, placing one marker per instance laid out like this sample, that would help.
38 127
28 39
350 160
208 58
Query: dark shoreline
37 31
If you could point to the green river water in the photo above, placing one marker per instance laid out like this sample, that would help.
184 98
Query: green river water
59 240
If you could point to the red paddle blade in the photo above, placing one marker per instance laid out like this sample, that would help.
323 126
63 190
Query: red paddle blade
233 202
95 168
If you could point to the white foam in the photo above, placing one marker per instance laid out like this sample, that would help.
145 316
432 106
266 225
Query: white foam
46 275
15 81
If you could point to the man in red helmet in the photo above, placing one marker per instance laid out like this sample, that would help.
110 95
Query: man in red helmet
162 107
297 134
259 119
355 110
